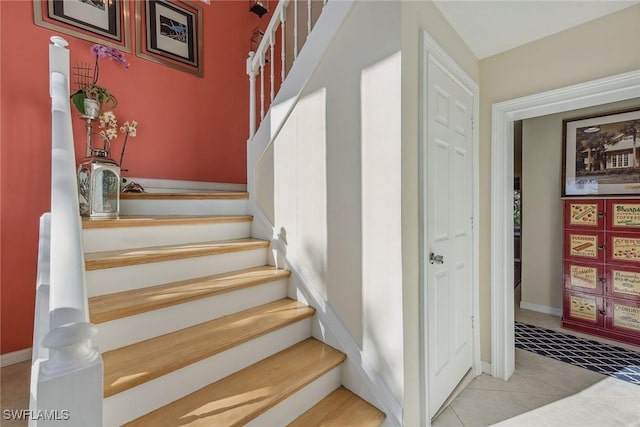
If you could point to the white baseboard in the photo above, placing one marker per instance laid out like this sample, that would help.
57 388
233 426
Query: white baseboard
14 357
153 185
541 308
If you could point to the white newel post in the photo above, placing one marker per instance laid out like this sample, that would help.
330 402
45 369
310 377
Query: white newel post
67 382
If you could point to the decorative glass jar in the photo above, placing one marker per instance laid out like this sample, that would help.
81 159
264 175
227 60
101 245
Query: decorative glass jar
99 185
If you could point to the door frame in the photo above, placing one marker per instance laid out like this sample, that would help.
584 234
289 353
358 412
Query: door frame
431 52
504 114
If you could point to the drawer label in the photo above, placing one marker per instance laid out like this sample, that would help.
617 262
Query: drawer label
626 282
583 246
625 249
583 308
583 277
626 317
626 215
583 214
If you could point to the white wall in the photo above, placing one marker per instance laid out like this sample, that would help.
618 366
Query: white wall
542 207
336 186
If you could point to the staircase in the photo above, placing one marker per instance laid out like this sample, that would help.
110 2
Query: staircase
196 329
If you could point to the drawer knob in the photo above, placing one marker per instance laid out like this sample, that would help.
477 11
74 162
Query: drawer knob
601 246
601 214
602 279
603 312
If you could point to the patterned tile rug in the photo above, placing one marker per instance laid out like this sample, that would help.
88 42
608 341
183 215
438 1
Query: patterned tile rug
606 359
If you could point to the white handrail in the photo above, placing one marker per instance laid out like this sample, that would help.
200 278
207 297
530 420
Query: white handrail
266 50
68 377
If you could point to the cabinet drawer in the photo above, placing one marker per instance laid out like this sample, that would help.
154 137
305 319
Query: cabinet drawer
623 316
623 215
583 308
584 277
623 282
584 214
623 248
584 245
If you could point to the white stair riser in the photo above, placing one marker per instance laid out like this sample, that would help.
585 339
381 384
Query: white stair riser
128 330
118 279
301 401
184 207
133 403
111 239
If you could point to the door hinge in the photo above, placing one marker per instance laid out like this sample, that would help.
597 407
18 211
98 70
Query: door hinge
473 323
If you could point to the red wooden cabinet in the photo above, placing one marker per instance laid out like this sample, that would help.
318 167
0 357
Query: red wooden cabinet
601 267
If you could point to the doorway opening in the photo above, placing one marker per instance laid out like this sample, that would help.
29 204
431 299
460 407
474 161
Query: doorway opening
505 114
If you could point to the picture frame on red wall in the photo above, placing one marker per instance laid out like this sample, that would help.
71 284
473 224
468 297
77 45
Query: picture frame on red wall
169 32
601 154
99 21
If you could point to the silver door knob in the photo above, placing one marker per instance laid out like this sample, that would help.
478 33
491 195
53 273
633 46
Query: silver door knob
436 259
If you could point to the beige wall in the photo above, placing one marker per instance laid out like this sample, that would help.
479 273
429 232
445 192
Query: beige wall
418 16
597 49
542 207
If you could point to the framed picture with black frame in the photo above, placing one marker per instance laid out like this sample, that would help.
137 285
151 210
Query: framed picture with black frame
601 154
169 32
99 21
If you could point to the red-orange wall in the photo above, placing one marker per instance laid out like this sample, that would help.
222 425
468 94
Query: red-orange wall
189 128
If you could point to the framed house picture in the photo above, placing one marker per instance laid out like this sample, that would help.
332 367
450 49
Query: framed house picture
99 21
169 32
601 154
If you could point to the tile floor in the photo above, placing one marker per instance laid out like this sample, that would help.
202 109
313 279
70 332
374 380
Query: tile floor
537 381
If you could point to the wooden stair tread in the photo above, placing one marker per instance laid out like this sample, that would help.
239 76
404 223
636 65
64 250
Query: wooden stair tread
242 396
341 408
120 258
137 363
218 195
147 221
104 308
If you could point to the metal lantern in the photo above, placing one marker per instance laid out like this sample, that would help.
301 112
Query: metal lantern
99 185
259 7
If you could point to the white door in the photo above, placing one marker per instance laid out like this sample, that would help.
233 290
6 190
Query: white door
448 234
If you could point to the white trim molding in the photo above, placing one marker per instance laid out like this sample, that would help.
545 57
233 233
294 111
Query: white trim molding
431 51
597 92
154 185
14 357
541 308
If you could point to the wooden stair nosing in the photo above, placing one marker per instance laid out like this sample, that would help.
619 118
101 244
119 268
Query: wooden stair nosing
126 257
218 195
138 363
248 393
151 221
108 307
340 408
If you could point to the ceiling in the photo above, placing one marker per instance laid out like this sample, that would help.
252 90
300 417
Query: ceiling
491 27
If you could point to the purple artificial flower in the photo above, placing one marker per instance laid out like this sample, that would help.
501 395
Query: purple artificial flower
101 51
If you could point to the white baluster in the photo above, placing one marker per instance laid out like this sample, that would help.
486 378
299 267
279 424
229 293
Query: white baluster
283 71
261 86
252 95
273 75
308 18
295 29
